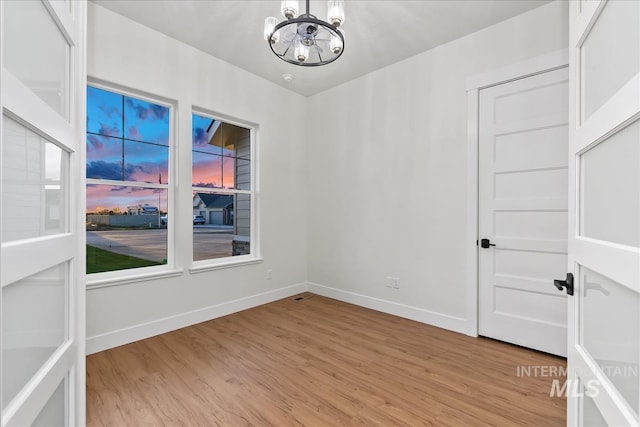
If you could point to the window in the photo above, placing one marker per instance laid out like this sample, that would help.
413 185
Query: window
127 181
221 188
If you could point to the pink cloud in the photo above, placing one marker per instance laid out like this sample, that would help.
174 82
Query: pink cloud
134 134
213 172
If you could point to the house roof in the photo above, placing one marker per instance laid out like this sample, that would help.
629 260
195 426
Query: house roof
213 201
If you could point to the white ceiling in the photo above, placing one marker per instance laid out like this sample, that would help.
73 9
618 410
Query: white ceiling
378 32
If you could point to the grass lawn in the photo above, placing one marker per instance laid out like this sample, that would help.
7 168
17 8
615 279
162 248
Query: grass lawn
99 260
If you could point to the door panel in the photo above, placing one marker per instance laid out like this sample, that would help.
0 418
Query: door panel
525 104
532 149
522 210
534 225
521 302
604 214
532 265
537 184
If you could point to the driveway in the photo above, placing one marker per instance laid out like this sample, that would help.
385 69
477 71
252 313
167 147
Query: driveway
151 244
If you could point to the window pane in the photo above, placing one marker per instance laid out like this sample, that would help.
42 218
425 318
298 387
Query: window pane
590 415
203 130
54 413
242 224
213 239
34 191
207 170
143 162
145 121
146 162
243 174
610 208
36 52
610 331
126 227
243 164
230 134
104 112
104 158
210 138
229 172
606 70
144 155
34 325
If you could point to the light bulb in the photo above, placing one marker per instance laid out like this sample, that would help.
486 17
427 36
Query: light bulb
335 12
301 51
289 8
336 42
269 24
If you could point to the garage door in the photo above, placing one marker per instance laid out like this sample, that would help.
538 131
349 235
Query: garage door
215 217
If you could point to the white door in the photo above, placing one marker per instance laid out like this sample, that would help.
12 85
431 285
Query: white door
604 214
41 257
523 140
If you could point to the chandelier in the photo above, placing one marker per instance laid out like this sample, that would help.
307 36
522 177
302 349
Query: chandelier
304 39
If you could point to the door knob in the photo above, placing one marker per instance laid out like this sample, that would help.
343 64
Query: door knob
485 243
566 283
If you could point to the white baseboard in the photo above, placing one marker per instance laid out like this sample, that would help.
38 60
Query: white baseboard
452 323
131 334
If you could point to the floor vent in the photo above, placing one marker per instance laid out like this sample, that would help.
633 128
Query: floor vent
300 297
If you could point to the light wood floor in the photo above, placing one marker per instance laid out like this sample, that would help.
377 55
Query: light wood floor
318 362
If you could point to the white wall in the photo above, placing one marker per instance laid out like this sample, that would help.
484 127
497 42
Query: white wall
387 172
123 52
379 190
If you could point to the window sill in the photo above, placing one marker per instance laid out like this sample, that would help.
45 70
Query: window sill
132 278
225 264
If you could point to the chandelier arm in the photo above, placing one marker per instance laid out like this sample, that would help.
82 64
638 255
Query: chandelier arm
286 50
317 21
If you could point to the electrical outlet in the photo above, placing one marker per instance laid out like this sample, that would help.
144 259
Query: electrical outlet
269 274
388 282
396 283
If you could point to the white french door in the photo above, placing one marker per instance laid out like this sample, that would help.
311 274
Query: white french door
42 53
604 214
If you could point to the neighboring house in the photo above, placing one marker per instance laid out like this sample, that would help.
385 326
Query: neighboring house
215 208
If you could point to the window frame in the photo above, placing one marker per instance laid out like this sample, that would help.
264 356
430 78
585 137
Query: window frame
170 269
254 256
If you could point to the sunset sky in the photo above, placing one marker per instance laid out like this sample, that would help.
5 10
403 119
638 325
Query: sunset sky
128 140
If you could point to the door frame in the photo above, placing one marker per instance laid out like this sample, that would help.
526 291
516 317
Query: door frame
520 70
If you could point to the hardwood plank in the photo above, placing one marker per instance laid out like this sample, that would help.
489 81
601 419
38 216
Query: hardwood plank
319 362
